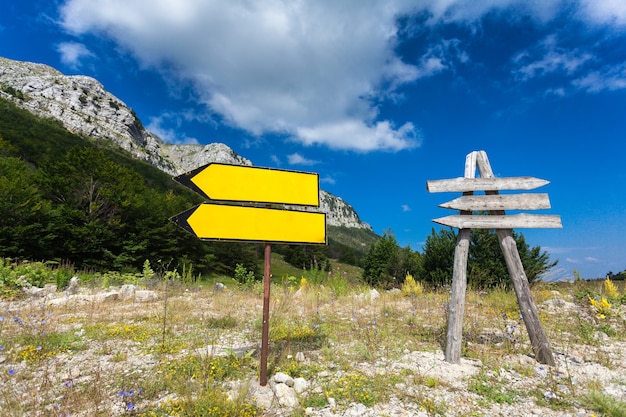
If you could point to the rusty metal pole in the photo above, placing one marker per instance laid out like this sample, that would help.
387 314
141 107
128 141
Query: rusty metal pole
266 315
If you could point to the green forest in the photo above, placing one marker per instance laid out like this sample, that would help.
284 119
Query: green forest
84 202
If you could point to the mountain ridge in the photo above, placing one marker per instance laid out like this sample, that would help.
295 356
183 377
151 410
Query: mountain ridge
85 107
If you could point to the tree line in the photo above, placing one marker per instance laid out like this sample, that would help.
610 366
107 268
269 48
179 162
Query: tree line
386 264
77 200
80 201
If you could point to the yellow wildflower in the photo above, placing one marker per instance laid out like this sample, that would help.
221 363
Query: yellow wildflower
610 289
603 306
411 287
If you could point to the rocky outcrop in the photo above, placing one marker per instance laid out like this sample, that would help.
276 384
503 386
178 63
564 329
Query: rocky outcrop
189 157
340 213
85 107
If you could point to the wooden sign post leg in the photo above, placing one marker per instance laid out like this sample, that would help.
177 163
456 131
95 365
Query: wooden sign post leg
454 336
538 338
456 309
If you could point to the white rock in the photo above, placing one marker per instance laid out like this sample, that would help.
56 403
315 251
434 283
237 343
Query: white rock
144 296
262 396
127 291
73 286
357 410
286 395
373 294
283 378
107 297
300 385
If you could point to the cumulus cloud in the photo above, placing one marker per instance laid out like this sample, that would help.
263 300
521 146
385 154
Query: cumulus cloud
297 159
312 71
307 70
72 53
611 12
405 208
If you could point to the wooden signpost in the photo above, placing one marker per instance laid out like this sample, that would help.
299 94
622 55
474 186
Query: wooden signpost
247 212
494 204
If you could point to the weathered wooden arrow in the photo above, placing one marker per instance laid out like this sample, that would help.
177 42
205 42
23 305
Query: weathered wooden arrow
486 184
499 202
514 221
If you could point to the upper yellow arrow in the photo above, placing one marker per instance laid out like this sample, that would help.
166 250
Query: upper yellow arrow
253 184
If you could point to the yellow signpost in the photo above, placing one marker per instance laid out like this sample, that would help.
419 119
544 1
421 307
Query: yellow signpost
253 184
254 216
252 220
243 223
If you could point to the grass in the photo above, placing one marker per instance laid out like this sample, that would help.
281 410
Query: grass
194 350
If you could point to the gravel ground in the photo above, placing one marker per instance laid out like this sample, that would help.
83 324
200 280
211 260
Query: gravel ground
111 371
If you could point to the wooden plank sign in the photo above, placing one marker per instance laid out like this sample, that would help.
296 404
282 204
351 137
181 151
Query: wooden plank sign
499 202
495 204
484 184
516 221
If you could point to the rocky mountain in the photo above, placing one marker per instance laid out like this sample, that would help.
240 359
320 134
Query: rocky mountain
85 107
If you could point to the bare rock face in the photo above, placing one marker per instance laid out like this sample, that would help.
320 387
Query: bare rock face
189 157
84 107
340 213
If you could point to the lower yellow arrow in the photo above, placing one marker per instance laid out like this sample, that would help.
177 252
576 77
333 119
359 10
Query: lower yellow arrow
257 224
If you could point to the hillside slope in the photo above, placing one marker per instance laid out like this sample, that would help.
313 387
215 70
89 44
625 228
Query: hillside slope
83 106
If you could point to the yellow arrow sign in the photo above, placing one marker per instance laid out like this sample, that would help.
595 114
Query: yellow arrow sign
241 223
253 184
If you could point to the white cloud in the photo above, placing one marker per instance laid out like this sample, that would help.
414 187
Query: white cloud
470 11
608 78
405 207
611 12
72 53
356 135
297 159
547 58
327 180
276 160
305 69
597 12
313 71
169 135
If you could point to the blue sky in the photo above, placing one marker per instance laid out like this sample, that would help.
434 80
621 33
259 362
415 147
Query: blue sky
376 96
